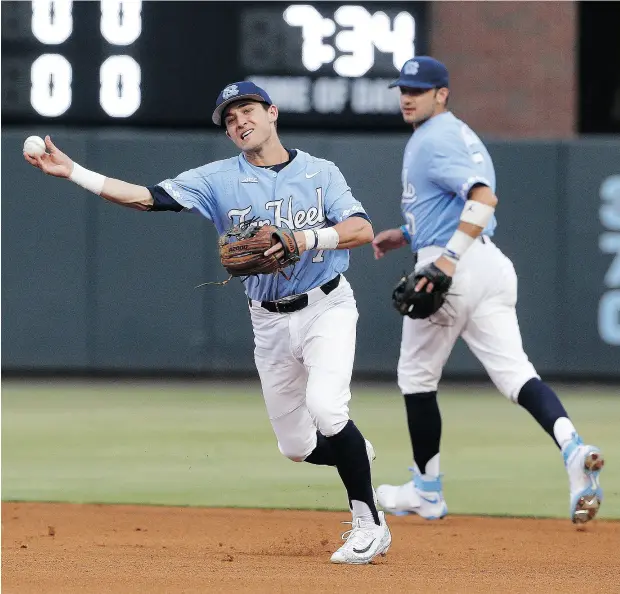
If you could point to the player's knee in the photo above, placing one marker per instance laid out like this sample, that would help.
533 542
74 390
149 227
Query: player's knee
329 412
510 385
329 422
332 426
297 452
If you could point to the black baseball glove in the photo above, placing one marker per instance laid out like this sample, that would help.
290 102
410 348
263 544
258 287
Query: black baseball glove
420 304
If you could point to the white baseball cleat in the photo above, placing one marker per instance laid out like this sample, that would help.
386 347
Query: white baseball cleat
583 464
364 542
423 495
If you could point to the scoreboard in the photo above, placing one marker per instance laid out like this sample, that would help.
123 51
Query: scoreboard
163 63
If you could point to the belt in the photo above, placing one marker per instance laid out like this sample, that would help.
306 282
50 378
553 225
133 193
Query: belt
297 302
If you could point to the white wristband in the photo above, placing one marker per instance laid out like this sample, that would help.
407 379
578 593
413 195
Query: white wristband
311 240
89 180
477 213
326 239
458 245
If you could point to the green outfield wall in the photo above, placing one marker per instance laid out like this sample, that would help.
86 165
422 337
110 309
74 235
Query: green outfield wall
88 287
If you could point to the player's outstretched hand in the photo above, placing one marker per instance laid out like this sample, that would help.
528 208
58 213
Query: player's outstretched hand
53 162
388 240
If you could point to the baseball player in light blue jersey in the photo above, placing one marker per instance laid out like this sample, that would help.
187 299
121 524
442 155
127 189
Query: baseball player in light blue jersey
304 327
448 203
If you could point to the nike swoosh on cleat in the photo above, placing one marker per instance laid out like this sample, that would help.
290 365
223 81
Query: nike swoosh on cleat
429 499
366 549
312 175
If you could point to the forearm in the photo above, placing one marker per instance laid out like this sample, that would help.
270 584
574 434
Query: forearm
477 212
484 195
353 232
113 190
350 233
126 194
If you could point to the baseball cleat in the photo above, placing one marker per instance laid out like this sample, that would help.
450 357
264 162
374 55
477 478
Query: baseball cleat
583 464
423 496
363 542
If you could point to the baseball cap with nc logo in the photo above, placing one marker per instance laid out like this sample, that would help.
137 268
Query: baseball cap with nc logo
422 72
234 92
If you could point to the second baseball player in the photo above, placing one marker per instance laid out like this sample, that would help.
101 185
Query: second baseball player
448 203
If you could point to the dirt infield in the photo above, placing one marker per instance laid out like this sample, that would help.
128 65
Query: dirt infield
60 548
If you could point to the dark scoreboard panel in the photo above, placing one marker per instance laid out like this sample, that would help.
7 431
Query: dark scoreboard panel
113 62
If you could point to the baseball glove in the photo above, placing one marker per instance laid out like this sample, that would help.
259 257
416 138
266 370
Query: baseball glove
420 304
242 249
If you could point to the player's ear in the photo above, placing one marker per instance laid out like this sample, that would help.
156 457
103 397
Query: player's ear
272 113
442 95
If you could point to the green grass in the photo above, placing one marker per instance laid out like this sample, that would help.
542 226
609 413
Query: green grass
211 445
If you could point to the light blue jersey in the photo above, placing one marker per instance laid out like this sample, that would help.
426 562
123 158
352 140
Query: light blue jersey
443 160
309 193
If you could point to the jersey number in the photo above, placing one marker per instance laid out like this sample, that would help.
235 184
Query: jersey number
318 258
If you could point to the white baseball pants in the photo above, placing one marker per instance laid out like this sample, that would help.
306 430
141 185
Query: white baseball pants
305 360
481 309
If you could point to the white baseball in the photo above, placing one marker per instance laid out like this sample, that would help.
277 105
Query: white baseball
34 146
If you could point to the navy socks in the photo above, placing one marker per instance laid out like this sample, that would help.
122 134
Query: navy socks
349 451
424 420
543 404
322 454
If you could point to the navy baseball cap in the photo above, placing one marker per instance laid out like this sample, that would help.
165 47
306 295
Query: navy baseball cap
234 92
422 72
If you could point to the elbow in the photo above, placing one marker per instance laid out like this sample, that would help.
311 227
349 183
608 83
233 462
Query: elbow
139 206
483 194
354 232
